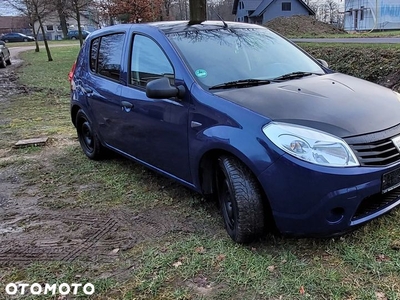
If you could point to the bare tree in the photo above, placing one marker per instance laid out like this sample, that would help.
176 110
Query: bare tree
40 10
77 6
220 9
61 6
35 10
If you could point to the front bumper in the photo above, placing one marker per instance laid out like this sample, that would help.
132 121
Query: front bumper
311 200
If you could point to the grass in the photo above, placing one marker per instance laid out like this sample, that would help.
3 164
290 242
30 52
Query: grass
373 34
41 43
202 264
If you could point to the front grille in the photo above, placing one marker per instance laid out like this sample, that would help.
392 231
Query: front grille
377 153
376 203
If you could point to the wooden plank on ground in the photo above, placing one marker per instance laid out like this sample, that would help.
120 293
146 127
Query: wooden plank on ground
35 142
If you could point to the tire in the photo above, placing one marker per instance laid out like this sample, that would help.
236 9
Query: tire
5 41
3 63
88 139
240 199
8 62
73 38
25 39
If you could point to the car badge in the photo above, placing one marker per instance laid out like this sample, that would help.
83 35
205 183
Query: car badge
396 142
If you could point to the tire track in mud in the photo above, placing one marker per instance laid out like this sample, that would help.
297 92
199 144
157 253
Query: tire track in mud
80 235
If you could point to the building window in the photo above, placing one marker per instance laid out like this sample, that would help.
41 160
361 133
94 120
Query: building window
286 6
362 13
49 28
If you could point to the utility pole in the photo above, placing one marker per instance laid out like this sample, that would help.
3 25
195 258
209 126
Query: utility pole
198 10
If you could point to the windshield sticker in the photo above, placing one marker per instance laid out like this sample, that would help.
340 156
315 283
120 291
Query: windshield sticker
201 73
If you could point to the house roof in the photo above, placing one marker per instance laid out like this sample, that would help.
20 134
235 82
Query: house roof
265 3
11 22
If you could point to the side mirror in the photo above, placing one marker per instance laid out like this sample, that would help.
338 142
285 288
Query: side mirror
161 88
323 62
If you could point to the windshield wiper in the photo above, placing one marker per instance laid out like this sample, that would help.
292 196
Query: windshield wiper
241 83
294 75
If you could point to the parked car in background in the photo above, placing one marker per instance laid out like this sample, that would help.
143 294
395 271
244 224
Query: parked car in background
237 112
16 37
5 57
74 34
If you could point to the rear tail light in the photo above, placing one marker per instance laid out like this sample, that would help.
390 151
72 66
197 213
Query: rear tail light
71 75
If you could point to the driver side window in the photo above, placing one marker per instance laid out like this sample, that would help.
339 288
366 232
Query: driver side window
148 62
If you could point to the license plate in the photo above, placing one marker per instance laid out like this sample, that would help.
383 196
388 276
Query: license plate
390 180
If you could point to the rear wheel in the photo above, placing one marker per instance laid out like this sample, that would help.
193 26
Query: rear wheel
3 63
87 137
73 38
240 199
25 39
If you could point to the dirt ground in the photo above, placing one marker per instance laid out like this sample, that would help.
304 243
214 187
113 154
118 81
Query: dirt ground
31 232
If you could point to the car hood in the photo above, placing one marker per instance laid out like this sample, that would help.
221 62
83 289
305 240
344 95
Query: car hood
336 103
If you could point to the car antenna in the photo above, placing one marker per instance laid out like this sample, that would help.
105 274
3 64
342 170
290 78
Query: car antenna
219 17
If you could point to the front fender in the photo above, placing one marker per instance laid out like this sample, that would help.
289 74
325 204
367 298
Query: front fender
253 149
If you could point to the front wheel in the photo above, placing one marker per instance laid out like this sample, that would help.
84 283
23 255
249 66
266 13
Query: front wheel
240 199
25 39
87 137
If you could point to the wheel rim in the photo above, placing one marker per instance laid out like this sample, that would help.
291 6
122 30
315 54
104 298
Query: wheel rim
226 202
87 136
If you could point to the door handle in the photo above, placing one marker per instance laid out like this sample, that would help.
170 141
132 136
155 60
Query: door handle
127 106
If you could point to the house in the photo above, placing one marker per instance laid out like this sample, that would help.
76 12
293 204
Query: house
261 11
14 24
362 15
52 27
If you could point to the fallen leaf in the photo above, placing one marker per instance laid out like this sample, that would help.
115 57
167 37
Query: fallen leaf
395 245
302 291
177 264
382 258
114 252
271 268
200 250
221 257
253 249
380 296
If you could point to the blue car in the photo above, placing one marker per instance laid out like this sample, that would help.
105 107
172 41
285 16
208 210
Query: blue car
236 112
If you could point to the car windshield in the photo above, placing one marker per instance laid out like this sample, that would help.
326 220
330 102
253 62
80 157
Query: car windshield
225 55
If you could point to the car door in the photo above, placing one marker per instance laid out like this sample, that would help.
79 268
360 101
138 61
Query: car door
155 130
102 85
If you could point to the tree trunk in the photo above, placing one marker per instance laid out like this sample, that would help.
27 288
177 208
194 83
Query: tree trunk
78 20
198 10
46 45
63 21
35 35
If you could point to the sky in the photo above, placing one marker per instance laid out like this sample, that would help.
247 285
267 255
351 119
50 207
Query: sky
6 9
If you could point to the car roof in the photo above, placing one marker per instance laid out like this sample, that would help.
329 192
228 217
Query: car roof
180 26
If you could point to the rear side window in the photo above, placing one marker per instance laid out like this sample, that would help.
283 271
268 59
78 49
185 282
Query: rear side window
148 62
94 49
109 55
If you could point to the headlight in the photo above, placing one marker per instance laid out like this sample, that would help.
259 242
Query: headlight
311 145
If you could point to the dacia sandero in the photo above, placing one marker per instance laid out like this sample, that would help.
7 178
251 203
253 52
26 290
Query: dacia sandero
237 112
